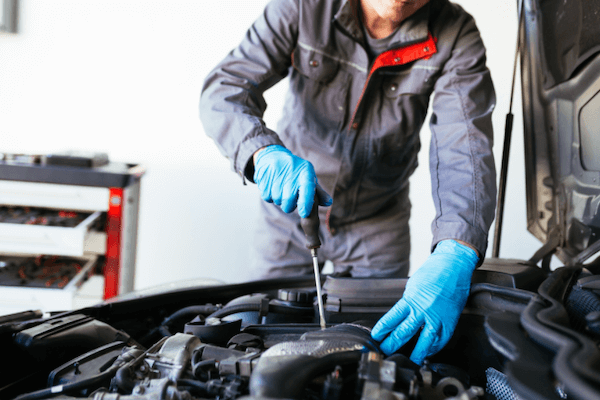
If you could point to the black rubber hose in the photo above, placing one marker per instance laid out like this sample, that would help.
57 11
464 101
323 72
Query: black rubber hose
519 294
70 387
239 308
190 311
124 379
192 383
285 369
201 367
164 331
205 363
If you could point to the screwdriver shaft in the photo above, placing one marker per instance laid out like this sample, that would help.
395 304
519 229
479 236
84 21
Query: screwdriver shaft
318 285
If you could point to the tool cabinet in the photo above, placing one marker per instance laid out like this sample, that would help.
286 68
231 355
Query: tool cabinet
71 209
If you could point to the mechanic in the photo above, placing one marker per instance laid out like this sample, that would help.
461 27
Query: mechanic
361 73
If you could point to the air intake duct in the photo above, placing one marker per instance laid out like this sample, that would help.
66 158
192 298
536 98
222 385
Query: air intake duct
285 369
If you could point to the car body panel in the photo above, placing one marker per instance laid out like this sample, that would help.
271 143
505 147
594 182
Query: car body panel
560 70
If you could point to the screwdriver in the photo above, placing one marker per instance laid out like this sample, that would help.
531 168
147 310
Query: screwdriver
310 226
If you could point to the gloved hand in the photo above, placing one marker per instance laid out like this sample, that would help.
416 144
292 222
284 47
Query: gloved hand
434 298
287 180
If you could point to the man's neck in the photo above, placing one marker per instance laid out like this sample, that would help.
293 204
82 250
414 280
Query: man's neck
377 27
380 24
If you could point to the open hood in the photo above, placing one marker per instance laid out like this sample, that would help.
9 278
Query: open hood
560 70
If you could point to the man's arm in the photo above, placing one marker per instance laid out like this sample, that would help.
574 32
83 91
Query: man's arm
464 192
232 103
463 175
232 106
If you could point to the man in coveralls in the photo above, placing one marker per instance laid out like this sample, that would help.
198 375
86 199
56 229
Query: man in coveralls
361 76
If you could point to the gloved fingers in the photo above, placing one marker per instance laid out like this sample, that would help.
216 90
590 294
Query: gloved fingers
274 148
444 336
437 346
262 181
307 182
423 348
289 197
402 334
265 193
276 198
277 188
390 320
325 199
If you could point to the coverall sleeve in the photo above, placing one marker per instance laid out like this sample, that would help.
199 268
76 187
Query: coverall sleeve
232 103
462 168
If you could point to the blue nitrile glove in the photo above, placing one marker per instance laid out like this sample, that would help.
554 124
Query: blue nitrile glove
288 180
434 298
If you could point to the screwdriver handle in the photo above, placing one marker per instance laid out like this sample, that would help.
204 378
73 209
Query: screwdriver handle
310 226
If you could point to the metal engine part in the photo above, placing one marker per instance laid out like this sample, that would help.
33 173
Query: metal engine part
379 379
173 357
285 369
156 389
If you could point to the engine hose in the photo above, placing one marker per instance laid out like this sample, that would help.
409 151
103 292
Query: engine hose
200 367
164 331
190 311
192 383
124 379
123 375
285 369
239 308
518 294
70 387
56 390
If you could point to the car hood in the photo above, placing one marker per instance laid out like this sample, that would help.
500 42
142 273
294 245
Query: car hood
560 70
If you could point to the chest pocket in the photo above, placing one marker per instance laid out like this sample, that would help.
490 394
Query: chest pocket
321 86
315 65
405 92
417 80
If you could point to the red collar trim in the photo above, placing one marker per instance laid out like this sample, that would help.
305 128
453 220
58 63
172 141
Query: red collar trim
405 55
400 56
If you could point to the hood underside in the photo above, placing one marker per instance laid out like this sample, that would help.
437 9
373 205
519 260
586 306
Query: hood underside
560 70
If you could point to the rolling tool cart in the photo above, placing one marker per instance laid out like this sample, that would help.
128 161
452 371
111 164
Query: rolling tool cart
63 218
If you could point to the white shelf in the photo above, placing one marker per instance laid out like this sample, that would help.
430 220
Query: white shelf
52 240
83 290
50 195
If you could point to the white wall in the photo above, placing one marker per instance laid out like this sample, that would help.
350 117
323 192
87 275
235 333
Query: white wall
124 77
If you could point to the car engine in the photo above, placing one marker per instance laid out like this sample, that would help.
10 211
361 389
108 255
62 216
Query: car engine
268 345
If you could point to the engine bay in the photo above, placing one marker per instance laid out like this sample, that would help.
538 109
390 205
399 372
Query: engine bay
262 340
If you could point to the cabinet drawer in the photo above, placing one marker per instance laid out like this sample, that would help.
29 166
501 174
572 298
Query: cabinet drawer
44 289
24 235
50 195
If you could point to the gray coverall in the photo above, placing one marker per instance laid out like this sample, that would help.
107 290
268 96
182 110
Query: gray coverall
357 120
